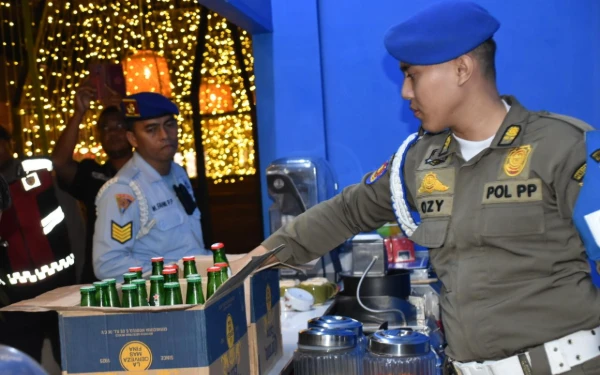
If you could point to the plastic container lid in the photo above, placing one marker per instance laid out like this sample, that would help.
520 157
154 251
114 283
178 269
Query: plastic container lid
139 282
135 269
169 271
337 322
322 338
157 259
213 269
399 343
88 289
217 246
157 278
172 285
110 281
187 259
129 287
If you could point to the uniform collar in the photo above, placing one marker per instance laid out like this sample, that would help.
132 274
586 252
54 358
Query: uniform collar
151 174
510 133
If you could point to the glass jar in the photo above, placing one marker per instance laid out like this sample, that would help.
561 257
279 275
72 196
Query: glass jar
399 351
341 322
327 351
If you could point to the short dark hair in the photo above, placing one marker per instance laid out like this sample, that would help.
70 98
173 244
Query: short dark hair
485 53
4 134
107 111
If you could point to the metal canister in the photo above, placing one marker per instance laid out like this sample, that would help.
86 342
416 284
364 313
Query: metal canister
341 322
327 351
399 351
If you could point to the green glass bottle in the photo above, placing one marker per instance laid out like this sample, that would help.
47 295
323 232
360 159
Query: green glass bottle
214 281
102 293
170 275
157 265
138 271
129 277
157 290
189 266
113 295
194 295
224 271
130 296
88 296
171 298
141 291
219 255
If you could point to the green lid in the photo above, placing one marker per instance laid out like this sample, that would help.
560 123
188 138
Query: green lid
194 280
110 281
171 285
87 289
129 287
139 282
157 278
130 275
192 275
101 283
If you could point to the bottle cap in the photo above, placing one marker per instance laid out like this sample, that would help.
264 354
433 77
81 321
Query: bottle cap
100 284
171 285
135 269
110 281
169 271
194 280
187 259
139 282
87 289
222 265
158 259
217 246
157 278
213 269
129 287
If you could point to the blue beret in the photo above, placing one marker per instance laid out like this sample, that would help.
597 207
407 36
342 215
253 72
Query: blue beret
147 105
440 33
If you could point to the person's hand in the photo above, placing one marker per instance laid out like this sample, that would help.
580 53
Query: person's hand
238 264
112 99
83 97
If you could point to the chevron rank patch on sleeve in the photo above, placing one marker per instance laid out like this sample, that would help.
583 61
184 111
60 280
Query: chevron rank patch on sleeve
121 234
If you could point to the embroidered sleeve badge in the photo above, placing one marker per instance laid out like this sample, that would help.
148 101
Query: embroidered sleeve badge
579 174
378 173
123 202
516 159
121 234
431 184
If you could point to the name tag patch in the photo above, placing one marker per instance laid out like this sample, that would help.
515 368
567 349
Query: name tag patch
163 204
512 191
435 206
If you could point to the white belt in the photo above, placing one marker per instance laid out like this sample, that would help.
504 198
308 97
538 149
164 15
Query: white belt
563 354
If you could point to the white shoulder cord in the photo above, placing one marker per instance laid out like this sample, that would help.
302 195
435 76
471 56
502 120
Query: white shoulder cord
401 209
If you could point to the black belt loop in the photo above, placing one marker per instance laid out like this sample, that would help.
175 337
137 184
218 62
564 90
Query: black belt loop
539 361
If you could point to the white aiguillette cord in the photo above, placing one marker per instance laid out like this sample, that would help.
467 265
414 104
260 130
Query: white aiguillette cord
373 310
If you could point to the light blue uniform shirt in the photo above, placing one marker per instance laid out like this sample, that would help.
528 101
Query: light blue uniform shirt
140 217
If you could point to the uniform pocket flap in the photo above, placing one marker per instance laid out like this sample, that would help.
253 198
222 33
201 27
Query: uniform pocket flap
431 233
169 220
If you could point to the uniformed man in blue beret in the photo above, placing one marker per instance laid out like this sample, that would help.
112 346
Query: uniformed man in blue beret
147 210
494 185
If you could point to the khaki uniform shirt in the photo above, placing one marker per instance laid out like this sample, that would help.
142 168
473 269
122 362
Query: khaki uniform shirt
499 229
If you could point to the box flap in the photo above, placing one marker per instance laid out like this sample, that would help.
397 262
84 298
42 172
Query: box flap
237 279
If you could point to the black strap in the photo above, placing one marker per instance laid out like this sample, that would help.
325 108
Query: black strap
185 198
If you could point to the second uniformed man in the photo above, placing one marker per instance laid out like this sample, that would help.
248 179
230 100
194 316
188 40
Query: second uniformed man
147 209
495 194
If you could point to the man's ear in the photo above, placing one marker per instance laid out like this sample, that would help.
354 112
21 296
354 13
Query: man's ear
464 66
132 138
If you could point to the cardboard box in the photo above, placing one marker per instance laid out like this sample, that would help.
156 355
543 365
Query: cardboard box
185 339
263 313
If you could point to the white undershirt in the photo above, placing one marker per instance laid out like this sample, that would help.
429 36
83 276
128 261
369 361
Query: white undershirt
468 149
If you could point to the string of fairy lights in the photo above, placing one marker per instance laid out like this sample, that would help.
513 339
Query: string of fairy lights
155 41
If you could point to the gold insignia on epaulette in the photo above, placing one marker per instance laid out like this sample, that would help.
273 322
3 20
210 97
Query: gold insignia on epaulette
121 234
509 135
580 173
596 155
431 184
516 159
446 146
